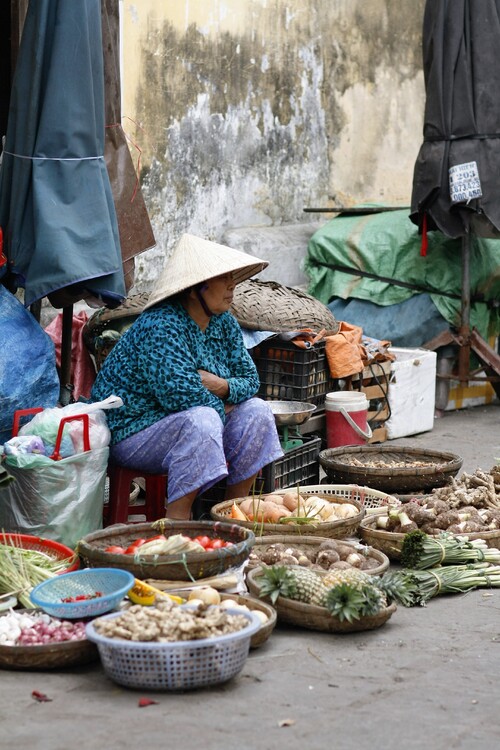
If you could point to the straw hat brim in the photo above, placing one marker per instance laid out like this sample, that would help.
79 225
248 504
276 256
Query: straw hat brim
195 260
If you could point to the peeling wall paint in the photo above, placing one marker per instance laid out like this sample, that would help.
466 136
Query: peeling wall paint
249 110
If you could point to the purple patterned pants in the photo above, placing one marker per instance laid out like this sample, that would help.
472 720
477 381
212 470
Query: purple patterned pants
197 450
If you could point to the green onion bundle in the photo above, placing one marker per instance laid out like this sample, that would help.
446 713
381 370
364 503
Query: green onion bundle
416 587
23 569
422 551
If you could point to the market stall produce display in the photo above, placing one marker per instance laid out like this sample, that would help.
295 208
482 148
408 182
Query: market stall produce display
315 511
220 546
389 468
170 647
316 553
32 640
468 506
83 593
26 561
351 601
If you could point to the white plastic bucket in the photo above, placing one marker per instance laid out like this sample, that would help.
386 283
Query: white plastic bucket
346 419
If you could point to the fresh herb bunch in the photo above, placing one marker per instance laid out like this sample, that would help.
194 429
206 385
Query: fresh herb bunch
416 587
422 551
22 569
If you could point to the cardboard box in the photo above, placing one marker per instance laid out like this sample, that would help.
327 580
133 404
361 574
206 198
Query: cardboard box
412 392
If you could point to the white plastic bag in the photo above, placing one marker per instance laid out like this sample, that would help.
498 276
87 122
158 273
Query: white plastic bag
45 424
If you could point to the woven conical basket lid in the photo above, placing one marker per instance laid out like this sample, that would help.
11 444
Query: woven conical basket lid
269 306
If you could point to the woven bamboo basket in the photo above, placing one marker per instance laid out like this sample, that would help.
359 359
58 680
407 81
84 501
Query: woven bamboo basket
308 543
329 529
391 542
269 306
48 655
312 617
264 632
402 474
183 567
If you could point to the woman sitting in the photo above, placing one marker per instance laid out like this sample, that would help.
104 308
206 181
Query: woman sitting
188 383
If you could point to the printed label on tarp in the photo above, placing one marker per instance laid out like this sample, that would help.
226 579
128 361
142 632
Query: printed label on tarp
464 182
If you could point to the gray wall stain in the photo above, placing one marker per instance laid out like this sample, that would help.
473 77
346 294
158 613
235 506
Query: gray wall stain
248 129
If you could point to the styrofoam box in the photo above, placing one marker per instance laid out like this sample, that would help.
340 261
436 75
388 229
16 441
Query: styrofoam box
412 392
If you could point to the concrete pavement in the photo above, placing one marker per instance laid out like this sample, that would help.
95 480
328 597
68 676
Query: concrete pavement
428 679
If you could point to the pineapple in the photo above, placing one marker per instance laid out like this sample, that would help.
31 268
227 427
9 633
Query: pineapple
352 576
300 584
352 594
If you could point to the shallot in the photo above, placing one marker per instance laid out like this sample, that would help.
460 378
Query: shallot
37 629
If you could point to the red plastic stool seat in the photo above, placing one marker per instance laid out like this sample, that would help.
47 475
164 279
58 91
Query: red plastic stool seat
119 508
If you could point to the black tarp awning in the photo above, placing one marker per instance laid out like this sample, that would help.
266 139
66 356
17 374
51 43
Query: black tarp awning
461 56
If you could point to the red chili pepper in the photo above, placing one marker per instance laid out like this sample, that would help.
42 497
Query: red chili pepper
82 597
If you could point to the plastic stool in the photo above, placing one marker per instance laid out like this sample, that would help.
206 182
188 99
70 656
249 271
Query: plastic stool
120 480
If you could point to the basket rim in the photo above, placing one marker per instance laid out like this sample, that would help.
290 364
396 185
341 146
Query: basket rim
450 461
28 541
334 488
250 630
238 547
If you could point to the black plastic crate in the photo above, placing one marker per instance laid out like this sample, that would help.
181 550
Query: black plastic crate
289 373
299 465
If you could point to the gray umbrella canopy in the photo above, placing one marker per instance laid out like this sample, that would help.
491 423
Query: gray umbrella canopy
56 205
455 181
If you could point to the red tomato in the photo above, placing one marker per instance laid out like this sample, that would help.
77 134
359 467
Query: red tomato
115 550
131 549
205 541
217 544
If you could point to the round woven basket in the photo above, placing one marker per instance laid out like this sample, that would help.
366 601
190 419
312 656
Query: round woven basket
331 529
269 306
402 472
391 543
318 618
373 501
252 603
184 567
308 543
55 550
48 655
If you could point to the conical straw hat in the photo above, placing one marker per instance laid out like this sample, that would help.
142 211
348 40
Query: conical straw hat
195 260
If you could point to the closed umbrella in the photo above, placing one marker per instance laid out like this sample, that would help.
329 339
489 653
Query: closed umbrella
56 205
456 189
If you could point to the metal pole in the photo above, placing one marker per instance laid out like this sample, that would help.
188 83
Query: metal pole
464 332
66 389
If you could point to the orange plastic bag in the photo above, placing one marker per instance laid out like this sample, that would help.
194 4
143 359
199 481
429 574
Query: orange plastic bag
344 351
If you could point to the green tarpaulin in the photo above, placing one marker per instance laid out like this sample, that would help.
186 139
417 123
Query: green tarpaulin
387 244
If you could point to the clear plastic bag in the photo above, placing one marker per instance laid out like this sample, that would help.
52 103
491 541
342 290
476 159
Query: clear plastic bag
61 499
45 424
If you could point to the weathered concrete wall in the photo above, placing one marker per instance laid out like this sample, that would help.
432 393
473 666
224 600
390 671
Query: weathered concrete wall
249 110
